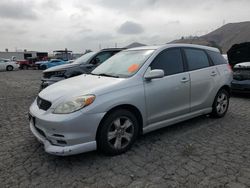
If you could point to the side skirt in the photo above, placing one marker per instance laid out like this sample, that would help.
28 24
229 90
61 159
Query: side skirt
165 123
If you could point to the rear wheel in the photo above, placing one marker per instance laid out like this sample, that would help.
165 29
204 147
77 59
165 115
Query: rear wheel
117 133
221 103
9 68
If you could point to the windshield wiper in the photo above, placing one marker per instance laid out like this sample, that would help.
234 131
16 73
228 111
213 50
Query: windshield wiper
107 75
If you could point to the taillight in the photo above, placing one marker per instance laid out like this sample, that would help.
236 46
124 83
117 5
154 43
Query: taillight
230 67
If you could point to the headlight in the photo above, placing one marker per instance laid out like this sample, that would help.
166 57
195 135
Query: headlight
74 105
59 73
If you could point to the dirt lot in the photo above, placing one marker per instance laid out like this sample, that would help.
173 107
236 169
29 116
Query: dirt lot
202 152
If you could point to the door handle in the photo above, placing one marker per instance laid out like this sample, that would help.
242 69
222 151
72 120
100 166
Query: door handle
213 73
184 80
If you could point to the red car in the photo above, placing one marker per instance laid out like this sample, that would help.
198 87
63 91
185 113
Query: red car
26 64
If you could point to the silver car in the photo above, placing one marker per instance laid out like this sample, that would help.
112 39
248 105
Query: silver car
134 92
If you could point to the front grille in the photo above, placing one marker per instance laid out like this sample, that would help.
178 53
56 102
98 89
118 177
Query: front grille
241 74
43 104
48 75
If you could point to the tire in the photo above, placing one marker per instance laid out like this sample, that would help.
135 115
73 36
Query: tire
122 127
43 67
9 68
221 104
26 67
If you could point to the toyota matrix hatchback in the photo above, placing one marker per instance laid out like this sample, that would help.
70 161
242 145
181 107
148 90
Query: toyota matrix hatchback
134 92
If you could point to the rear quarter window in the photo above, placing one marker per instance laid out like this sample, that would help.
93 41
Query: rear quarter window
217 58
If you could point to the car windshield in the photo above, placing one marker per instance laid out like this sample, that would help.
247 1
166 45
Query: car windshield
124 64
84 59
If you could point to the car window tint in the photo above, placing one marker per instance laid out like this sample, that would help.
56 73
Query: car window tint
170 61
197 59
103 56
217 58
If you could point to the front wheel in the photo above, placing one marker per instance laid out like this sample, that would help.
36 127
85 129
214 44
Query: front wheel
118 132
9 68
43 67
221 103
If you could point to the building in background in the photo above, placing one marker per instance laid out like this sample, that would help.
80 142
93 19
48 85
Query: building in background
24 55
63 54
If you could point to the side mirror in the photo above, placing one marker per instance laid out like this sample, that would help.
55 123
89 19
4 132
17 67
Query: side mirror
152 74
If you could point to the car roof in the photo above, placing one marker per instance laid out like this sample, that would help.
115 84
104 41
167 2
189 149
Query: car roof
171 45
112 49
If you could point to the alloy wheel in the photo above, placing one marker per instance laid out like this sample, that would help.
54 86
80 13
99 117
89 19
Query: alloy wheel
222 103
120 132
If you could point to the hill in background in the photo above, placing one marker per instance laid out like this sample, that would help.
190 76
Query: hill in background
134 45
223 37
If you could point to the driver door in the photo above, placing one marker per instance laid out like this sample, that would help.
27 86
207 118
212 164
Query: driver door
168 97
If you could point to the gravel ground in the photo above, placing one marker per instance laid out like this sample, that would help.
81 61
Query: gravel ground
202 152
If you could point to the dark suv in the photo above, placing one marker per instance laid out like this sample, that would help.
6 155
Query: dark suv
84 64
239 59
241 75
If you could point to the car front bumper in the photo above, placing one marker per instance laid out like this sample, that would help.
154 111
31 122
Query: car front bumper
241 86
65 150
66 134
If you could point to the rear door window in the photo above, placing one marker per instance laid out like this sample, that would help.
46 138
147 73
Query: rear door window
170 61
196 59
216 58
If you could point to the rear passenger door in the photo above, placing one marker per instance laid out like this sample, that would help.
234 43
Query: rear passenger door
203 78
169 96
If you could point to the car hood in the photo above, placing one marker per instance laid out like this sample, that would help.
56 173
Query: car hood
61 67
80 85
40 62
243 65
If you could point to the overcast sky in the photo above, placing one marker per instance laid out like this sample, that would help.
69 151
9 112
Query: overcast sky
47 25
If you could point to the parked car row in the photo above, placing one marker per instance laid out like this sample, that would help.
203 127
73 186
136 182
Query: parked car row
26 64
133 92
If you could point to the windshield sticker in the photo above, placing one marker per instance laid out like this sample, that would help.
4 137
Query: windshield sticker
133 68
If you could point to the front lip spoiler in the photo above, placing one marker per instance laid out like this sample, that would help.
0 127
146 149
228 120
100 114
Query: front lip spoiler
63 150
